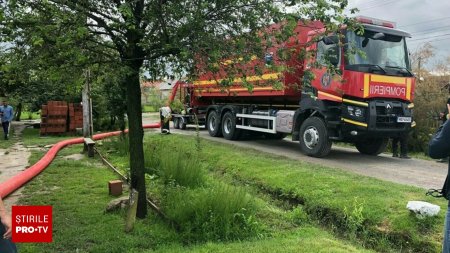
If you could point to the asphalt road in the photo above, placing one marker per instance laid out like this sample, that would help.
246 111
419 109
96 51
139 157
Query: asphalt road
415 172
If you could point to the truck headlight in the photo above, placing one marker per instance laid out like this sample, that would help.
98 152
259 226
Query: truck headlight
355 111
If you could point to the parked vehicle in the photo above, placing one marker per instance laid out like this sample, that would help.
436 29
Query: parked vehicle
371 103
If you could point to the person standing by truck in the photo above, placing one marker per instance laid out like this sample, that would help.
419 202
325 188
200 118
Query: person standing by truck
7 115
403 141
439 147
165 113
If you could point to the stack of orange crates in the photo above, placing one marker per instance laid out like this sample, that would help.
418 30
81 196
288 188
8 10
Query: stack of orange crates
75 116
43 119
58 117
55 119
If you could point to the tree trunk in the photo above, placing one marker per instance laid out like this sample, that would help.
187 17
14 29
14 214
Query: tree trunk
136 135
18 112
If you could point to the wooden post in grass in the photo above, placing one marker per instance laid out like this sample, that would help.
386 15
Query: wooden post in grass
132 208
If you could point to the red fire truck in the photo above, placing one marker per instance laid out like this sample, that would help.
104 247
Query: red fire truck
370 102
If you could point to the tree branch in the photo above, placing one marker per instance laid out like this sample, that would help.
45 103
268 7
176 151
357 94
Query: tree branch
102 23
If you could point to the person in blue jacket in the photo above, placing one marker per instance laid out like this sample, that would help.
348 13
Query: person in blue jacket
7 114
439 147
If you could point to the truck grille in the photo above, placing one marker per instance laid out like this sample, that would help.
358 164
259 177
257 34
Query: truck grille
387 117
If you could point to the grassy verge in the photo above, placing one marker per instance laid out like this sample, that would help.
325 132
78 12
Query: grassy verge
365 209
31 137
77 190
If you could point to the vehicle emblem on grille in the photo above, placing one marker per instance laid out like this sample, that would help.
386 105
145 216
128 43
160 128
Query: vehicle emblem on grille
388 106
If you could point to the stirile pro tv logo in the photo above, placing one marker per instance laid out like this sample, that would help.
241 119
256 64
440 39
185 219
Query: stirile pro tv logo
32 224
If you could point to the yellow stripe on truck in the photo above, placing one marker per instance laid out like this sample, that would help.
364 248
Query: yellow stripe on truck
329 95
349 101
270 76
388 79
354 122
408 89
366 85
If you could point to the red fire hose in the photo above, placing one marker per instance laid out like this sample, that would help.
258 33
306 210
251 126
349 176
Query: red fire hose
20 179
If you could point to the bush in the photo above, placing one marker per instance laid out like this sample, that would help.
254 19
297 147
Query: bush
429 100
219 212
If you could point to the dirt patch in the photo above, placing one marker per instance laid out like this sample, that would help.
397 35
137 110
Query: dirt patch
14 160
75 157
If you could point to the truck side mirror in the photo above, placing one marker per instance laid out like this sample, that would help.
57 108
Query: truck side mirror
330 40
378 36
333 55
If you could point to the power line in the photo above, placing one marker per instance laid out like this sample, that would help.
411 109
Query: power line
430 41
369 3
376 6
433 30
437 36
425 22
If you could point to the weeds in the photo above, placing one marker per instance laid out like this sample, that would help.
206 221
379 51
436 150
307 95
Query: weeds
298 215
198 146
183 171
118 145
218 212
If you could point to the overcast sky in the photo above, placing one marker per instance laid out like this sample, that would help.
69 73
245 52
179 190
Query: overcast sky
426 20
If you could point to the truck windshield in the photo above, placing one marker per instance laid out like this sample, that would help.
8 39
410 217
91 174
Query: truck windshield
377 52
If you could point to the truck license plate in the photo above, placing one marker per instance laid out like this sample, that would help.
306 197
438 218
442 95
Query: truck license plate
403 119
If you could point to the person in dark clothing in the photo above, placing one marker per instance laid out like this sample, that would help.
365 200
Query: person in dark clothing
439 147
7 115
444 115
6 245
403 140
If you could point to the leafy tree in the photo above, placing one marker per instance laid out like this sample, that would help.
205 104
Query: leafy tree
420 58
162 36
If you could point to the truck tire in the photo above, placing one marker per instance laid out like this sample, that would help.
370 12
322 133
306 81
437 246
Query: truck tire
371 146
182 124
314 139
175 123
229 130
213 124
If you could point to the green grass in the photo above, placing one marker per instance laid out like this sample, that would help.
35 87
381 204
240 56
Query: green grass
78 192
149 108
31 137
30 115
371 210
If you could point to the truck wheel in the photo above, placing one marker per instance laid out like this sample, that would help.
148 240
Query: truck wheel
314 137
371 146
229 130
213 124
175 123
181 124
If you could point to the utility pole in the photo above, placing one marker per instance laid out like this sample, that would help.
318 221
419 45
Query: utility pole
87 107
419 70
